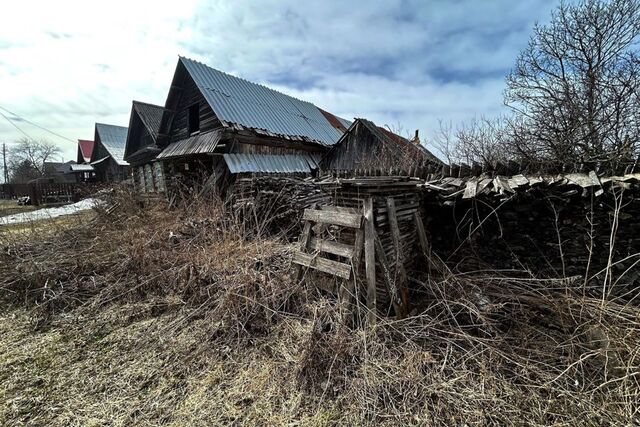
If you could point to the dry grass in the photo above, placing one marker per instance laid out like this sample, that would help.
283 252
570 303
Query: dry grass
11 207
157 317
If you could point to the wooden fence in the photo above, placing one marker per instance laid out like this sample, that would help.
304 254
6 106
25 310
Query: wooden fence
45 193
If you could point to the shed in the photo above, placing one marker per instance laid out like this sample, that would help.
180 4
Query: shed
365 146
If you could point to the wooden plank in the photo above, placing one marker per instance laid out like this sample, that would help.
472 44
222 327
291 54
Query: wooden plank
402 273
358 247
322 264
470 189
339 209
387 275
335 248
335 218
303 246
422 235
370 260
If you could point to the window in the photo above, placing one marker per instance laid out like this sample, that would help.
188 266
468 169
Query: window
194 118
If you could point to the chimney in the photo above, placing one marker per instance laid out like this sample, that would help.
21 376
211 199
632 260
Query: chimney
416 138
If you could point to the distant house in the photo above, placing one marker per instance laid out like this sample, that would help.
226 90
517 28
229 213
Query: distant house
215 126
82 168
142 147
367 146
58 172
85 148
107 157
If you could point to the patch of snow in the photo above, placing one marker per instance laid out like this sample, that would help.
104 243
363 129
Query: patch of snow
48 213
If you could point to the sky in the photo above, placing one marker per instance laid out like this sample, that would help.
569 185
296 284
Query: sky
65 65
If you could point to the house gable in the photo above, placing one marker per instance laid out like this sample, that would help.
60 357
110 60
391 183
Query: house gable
367 146
183 97
142 135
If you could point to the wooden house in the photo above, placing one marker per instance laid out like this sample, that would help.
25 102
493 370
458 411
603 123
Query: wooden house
216 126
141 147
107 157
85 148
365 147
82 168
58 172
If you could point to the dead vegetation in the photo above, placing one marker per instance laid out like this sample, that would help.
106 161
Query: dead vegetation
173 317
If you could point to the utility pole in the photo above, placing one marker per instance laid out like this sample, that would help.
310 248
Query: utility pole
4 162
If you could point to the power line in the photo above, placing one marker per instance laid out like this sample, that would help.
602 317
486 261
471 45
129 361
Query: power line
16 126
33 124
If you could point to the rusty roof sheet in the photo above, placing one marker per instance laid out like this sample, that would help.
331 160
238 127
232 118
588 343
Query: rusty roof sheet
238 101
197 144
270 163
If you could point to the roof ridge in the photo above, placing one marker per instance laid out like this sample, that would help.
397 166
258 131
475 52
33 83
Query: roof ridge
247 81
107 124
147 103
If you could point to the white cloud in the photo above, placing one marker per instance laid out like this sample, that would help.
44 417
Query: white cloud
409 62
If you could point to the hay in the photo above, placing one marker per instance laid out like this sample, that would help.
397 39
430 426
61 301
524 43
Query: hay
150 316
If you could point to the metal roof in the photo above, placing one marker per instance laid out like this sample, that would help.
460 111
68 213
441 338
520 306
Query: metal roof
151 115
86 147
81 167
113 138
269 163
235 100
197 144
100 160
57 167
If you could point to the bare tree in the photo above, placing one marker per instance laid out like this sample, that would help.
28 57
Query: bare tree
575 89
444 142
28 157
483 140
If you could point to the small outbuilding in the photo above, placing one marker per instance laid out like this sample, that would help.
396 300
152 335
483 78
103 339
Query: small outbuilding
366 147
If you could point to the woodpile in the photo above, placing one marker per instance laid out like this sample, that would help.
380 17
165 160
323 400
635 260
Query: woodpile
553 226
275 203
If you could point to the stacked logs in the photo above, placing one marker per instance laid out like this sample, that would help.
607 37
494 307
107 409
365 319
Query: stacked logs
553 226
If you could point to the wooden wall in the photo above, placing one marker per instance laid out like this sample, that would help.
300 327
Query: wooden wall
190 94
361 149
139 136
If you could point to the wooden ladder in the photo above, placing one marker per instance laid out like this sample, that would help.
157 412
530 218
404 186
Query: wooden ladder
313 252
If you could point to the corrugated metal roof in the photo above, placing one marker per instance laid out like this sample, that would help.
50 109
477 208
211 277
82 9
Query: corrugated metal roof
114 139
100 160
81 167
197 144
235 100
151 115
270 163
86 148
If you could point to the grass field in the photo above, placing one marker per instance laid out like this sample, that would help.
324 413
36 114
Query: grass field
10 207
172 317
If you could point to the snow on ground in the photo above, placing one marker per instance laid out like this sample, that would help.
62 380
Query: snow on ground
48 213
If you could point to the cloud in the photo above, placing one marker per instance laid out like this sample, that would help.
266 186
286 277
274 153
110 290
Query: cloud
398 62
